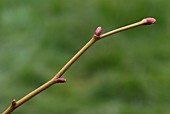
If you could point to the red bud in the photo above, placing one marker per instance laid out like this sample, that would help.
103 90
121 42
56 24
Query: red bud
150 21
14 102
61 80
98 31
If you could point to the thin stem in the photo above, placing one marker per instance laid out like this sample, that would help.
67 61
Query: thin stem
57 79
123 28
29 96
75 57
11 108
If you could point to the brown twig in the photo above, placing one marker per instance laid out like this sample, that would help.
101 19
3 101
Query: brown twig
56 79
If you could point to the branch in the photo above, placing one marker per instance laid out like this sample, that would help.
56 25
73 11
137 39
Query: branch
56 79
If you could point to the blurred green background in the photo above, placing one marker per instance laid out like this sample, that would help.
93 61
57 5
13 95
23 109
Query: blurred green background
127 73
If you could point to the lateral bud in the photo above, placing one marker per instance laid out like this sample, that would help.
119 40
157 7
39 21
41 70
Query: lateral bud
98 31
61 80
14 103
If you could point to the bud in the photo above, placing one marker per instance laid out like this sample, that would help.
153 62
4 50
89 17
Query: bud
14 103
98 31
150 21
61 80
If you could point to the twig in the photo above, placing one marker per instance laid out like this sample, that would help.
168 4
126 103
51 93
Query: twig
56 79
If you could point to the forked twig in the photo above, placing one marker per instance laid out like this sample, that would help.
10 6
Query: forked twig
57 78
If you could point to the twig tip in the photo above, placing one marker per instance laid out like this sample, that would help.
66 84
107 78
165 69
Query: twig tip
149 20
